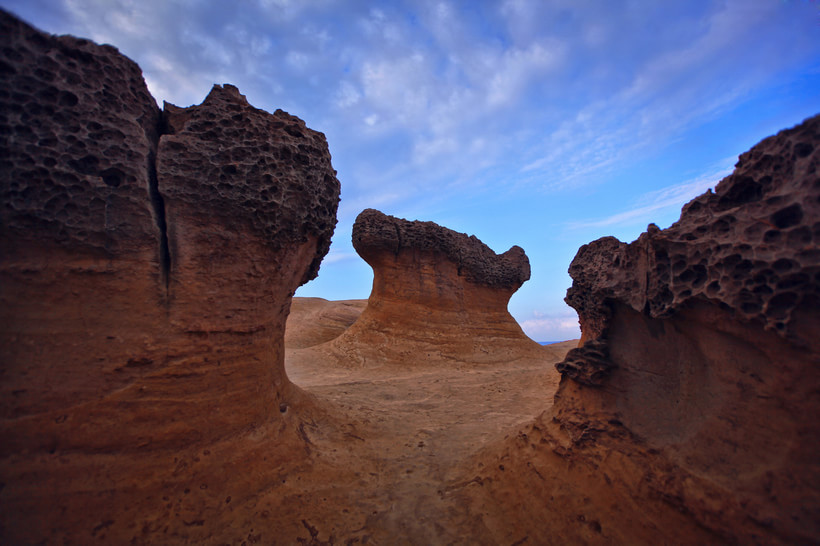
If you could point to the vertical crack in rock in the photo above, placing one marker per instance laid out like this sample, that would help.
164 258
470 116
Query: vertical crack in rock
96 190
398 238
158 205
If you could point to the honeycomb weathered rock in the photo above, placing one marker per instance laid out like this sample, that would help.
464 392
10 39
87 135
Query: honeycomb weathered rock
437 295
751 246
375 232
269 172
142 348
701 344
79 135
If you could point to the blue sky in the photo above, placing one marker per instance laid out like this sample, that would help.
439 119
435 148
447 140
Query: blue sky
541 123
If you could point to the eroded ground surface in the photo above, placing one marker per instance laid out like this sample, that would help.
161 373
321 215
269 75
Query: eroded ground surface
413 426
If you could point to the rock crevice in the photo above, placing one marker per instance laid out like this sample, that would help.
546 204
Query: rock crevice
148 264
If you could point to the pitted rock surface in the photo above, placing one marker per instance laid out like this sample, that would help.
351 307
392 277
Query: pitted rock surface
226 158
79 134
589 364
142 349
439 298
375 232
685 409
750 246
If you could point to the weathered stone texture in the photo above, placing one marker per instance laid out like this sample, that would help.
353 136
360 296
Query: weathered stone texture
79 135
437 295
225 161
142 348
750 246
375 232
701 341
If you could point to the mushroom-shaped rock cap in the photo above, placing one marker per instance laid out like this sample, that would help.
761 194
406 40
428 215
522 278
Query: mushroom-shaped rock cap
376 234
224 158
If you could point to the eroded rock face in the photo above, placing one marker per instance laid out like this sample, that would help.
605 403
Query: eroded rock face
377 235
147 270
437 295
313 321
686 411
76 156
229 163
750 246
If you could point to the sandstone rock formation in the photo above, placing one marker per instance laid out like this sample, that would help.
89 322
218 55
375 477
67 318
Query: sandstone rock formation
438 296
148 261
313 321
688 415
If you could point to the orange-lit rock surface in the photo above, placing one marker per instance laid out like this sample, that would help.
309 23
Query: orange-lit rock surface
689 415
438 296
316 320
147 266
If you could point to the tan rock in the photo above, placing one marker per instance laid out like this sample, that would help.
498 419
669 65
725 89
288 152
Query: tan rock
147 271
313 321
686 416
438 295
439 298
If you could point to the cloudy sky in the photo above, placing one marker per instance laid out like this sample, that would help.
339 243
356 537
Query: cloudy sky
541 123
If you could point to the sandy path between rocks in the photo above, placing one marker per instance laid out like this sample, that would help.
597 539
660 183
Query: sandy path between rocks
414 425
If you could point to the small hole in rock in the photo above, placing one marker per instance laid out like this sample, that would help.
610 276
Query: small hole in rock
788 217
112 177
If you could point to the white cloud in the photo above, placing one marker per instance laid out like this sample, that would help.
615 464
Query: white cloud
335 256
517 67
652 203
297 59
551 328
347 95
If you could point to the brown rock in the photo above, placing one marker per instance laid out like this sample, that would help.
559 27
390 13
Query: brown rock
750 247
313 321
438 296
377 236
76 156
144 286
228 163
701 344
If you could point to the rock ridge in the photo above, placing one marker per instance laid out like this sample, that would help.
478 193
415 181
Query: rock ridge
750 246
684 411
375 231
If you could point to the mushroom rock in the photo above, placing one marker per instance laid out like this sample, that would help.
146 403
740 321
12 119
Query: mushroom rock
148 263
688 413
437 295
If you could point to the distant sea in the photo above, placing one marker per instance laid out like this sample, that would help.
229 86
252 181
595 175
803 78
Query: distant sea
547 342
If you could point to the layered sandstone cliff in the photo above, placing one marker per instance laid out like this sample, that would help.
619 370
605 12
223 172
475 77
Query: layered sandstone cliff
688 415
147 264
438 296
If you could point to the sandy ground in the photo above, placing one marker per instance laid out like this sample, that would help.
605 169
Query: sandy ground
415 424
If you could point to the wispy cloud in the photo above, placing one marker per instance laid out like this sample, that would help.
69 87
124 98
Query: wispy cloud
651 204
555 92
335 256
540 104
548 327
